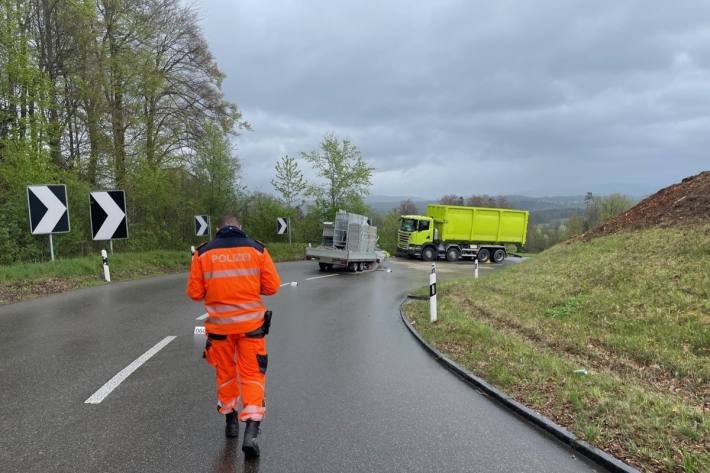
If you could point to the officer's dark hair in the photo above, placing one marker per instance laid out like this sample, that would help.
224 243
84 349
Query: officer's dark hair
229 220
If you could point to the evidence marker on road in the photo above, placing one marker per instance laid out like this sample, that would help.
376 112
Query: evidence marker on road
108 215
49 211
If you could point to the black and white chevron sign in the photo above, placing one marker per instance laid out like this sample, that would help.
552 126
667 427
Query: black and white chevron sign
281 225
48 209
108 215
202 225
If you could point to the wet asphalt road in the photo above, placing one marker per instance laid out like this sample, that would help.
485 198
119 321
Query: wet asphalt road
349 389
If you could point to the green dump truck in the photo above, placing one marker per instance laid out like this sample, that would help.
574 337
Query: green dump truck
457 232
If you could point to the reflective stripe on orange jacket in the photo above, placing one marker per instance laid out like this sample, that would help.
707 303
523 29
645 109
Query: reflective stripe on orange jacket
230 273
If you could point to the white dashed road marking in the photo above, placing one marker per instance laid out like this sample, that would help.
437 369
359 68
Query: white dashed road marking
113 383
321 277
202 317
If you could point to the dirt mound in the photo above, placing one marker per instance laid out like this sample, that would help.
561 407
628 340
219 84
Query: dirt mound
685 203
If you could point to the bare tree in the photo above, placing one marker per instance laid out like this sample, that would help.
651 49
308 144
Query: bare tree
408 207
484 200
451 199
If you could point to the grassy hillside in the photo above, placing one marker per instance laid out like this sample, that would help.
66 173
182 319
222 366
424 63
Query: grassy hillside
609 337
25 281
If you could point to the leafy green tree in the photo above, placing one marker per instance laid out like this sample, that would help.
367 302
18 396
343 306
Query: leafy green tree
602 209
613 205
346 174
259 216
575 225
387 226
289 182
217 171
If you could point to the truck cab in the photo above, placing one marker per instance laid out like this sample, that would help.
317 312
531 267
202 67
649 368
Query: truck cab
415 232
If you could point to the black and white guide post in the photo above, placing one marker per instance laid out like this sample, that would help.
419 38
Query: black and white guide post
49 212
202 226
108 215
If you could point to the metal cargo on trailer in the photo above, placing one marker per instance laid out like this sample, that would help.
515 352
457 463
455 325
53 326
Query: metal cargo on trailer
350 241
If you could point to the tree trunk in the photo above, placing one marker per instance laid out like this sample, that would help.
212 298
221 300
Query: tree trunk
93 131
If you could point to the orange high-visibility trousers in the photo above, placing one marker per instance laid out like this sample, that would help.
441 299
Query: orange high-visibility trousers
240 362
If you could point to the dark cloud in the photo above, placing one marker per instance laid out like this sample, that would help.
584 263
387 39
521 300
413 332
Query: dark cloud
472 96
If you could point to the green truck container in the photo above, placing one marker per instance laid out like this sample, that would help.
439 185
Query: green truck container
457 232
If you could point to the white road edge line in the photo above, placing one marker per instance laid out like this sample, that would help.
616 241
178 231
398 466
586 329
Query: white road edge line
286 284
113 383
202 317
321 277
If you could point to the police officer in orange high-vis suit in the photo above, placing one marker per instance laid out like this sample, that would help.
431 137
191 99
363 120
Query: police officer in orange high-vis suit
230 273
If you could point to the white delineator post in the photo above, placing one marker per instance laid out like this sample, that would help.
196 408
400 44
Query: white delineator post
432 293
51 246
475 261
104 258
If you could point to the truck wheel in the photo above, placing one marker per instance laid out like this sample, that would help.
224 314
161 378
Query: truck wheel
352 267
428 254
358 267
453 254
483 255
498 255
323 266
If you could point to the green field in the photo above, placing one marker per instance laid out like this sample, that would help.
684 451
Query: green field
632 310
25 281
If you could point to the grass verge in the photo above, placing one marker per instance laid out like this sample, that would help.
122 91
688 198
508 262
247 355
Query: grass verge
29 280
610 338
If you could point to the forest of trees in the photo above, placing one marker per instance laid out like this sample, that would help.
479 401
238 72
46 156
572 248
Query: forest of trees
104 94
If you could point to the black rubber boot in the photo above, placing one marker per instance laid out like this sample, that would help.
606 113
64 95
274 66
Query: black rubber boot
231 430
250 447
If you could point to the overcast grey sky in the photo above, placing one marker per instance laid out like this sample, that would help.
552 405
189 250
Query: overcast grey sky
468 97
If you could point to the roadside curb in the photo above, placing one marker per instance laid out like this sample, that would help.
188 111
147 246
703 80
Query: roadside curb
593 453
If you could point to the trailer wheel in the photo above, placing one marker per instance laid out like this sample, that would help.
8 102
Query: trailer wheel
358 267
428 254
498 255
483 255
453 254
352 267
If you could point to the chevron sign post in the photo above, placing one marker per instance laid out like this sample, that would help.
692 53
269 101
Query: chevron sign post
202 226
108 215
49 212
283 225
